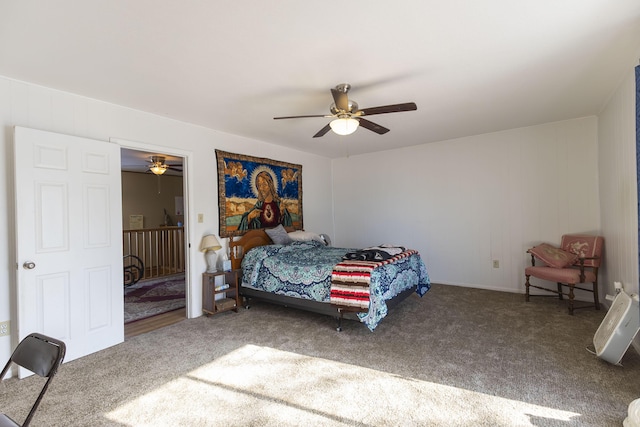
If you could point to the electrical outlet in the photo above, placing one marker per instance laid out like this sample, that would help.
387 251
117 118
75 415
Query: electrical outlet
4 328
200 218
496 263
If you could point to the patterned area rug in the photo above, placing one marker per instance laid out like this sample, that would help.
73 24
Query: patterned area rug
151 297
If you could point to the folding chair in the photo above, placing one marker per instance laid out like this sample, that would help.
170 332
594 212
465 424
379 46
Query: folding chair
41 355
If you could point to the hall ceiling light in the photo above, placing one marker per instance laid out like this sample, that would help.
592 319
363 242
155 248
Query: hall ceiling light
158 168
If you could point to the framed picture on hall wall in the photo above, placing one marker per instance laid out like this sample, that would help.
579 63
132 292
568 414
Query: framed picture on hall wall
136 222
255 192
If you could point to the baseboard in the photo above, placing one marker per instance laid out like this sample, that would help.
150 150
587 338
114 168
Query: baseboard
587 297
487 288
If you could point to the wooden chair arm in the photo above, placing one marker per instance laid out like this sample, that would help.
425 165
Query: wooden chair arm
533 258
581 269
582 260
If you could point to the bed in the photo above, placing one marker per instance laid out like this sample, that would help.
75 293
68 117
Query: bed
302 274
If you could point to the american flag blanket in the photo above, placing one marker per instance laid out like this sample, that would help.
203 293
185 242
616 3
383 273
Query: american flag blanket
350 281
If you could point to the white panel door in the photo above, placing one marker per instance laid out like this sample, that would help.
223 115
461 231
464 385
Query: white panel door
69 240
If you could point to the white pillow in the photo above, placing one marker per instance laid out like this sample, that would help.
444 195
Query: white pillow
304 236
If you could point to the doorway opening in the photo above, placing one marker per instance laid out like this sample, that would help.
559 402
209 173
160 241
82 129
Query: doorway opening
154 241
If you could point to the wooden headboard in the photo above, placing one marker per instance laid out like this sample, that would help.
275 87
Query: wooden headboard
248 241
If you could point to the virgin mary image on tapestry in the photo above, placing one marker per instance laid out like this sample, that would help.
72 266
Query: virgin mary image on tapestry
255 192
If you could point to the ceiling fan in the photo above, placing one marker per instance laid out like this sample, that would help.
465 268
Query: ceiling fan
158 166
347 116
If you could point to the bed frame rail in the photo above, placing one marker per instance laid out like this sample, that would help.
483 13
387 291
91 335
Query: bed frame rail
324 308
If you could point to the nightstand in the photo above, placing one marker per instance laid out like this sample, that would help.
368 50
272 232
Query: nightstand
212 286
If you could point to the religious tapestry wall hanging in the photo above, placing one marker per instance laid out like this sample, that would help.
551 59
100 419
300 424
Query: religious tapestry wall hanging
255 192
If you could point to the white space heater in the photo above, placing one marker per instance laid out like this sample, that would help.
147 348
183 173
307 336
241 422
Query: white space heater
620 325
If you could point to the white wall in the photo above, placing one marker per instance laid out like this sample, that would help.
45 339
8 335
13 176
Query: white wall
150 196
618 187
36 107
466 202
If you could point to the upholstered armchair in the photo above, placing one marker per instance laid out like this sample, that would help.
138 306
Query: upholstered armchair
574 265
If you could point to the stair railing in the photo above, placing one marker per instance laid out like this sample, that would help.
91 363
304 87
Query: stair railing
162 250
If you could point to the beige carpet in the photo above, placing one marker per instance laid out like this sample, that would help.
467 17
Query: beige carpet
457 357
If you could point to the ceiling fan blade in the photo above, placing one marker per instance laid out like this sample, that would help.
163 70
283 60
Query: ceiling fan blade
395 108
322 131
341 100
380 130
300 117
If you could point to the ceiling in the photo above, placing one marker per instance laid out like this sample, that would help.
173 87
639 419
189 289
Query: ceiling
471 66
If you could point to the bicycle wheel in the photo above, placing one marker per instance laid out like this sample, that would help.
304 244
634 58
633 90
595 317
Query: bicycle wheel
133 270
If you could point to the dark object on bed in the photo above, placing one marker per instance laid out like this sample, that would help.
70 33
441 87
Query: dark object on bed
376 253
266 268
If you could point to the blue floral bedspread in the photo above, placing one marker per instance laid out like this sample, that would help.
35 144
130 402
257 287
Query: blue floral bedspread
303 270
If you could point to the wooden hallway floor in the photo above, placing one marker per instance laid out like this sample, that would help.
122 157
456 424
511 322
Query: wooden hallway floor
152 323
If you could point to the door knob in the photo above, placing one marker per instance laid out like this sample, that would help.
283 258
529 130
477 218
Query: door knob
29 265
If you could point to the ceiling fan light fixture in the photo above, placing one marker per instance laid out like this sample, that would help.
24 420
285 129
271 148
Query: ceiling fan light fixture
348 115
158 169
344 126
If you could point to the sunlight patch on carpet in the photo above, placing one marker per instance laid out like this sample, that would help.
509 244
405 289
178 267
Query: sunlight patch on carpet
263 386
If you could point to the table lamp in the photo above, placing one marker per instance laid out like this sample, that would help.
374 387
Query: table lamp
209 246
